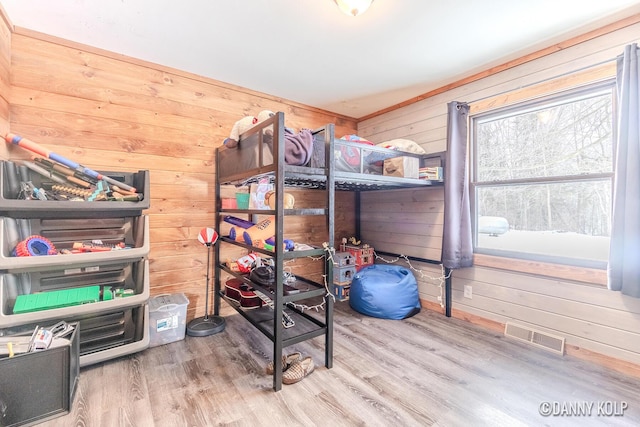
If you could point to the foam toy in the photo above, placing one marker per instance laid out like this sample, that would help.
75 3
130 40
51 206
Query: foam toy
239 224
269 244
260 231
244 124
34 246
288 243
237 233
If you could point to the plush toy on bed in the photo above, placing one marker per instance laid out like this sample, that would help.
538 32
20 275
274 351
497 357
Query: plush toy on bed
244 124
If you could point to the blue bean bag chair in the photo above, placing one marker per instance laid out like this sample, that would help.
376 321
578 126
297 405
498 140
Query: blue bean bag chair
385 291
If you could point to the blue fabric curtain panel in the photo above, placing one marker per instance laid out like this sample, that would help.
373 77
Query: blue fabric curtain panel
457 246
623 271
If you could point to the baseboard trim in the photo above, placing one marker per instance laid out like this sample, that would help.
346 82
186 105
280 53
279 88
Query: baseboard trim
619 365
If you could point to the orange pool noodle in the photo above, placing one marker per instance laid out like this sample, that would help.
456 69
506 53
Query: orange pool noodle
261 231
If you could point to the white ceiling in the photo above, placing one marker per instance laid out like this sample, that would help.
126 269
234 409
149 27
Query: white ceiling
309 52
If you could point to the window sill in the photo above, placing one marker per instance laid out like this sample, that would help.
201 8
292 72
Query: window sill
557 271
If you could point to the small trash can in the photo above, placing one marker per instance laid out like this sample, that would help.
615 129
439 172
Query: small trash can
167 318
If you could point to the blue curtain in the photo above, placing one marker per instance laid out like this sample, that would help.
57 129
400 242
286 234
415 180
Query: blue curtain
623 273
457 246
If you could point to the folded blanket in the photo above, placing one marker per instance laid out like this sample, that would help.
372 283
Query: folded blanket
298 147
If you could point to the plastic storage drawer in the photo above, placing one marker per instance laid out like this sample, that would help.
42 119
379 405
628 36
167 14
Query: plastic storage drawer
133 232
131 276
113 334
11 174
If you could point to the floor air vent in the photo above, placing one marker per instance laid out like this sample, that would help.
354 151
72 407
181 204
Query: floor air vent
539 339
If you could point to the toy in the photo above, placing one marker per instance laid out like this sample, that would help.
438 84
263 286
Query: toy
236 234
269 244
363 253
245 264
270 198
244 124
341 292
261 231
288 243
34 246
344 268
60 298
96 246
240 292
238 223
73 166
258 192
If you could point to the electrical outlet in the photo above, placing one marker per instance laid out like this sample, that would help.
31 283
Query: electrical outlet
468 292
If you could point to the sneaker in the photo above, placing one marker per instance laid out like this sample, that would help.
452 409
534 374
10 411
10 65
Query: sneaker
298 370
287 361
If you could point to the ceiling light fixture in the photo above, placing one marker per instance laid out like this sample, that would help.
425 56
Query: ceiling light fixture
353 7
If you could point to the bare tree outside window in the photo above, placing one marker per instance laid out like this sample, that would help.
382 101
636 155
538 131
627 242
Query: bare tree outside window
542 178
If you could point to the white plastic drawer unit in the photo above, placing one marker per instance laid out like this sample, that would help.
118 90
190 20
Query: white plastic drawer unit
130 276
63 233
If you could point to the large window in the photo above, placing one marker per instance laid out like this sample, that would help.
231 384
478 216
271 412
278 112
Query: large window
542 178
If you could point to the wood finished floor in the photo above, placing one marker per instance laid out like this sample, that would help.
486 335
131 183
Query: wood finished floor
423 371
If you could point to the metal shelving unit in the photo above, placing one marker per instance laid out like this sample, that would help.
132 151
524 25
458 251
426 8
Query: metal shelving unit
267 320
260 154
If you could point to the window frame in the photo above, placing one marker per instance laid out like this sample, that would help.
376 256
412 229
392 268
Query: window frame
520 107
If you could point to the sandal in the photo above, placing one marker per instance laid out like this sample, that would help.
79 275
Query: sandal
298 370
287 361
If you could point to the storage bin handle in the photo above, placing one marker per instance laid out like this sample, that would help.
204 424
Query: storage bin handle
166 307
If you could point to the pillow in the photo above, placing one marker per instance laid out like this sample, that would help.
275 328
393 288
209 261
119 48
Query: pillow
403 145
356 138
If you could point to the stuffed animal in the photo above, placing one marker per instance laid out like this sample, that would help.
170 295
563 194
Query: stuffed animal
289 200
244 124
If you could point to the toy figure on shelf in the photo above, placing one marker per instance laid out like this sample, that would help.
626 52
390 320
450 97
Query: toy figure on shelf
243 125
363 253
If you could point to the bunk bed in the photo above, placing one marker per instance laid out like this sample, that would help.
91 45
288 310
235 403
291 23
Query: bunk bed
255 156
260 155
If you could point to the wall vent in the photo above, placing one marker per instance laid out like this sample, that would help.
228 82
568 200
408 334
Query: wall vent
543 340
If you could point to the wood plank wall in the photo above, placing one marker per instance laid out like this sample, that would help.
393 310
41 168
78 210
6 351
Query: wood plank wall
110 112
591 318
408 222
116 113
